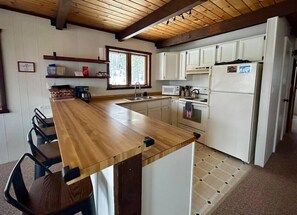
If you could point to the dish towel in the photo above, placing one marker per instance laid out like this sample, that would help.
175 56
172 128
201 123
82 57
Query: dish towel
189 110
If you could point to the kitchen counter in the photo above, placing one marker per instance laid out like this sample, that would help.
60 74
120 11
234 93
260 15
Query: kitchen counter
106 141
167 138
100 134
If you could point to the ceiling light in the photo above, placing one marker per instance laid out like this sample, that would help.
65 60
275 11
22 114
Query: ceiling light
182 16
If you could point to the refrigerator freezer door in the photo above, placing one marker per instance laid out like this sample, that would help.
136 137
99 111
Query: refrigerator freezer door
230 123
234 78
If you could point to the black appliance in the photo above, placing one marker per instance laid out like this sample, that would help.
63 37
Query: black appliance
83 93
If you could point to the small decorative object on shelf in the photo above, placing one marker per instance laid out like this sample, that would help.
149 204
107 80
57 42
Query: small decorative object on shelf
85 71
60 92
102 74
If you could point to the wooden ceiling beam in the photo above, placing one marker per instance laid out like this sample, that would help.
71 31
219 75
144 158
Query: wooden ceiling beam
63 11
260 16
167 11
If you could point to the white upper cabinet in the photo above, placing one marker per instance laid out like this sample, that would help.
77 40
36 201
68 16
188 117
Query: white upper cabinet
227 52
182 66
160 67
193 59
252 48
171 66
208 56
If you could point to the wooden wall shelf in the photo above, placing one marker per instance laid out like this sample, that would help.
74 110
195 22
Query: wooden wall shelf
75 59
68 76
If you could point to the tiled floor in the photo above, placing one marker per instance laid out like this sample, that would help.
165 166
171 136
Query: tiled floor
215 174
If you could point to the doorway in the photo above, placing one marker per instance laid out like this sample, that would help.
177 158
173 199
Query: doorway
292 112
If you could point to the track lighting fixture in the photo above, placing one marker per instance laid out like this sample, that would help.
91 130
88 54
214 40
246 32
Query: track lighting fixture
181 15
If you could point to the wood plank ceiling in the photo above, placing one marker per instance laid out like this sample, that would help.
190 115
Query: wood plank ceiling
116 15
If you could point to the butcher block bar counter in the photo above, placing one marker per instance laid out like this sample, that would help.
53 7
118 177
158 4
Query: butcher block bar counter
134 161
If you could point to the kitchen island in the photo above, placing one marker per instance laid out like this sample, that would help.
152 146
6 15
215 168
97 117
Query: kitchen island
102 138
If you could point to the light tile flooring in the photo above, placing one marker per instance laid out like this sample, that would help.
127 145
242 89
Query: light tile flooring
215 174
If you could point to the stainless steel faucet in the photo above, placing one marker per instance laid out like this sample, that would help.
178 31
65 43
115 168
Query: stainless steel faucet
135 86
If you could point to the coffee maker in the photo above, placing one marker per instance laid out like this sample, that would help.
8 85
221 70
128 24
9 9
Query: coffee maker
83 93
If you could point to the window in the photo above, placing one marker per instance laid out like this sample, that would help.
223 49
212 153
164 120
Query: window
127 67
3 106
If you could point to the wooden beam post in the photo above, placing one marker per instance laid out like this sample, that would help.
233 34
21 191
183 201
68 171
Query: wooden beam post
260 16
128 186
173 8
63 10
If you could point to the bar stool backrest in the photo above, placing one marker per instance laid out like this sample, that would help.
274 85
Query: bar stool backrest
35 151
16 180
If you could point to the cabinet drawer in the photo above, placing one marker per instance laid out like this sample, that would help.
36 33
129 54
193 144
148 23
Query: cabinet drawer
166 102
139 106
154 104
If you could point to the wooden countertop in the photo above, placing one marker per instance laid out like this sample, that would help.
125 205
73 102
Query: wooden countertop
168 138
100 134
90 140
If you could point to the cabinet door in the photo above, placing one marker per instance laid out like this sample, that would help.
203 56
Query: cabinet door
226 52
160 66
143 112
182 66
207 56
166 115
171 65
193 59
155 113
128 106
174 108
252 48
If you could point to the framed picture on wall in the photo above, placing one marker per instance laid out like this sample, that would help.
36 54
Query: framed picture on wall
24 66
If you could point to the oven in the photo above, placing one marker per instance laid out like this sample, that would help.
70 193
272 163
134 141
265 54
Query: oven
198 119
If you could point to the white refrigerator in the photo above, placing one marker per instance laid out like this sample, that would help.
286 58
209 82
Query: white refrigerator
233 109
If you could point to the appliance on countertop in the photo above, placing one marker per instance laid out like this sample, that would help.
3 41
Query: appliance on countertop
233 109
83 93
168 90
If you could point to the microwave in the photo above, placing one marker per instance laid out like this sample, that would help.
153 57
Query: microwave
170 90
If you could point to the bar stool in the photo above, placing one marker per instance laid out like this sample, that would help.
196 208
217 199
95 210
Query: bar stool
48 153
48 132
42 119
49 194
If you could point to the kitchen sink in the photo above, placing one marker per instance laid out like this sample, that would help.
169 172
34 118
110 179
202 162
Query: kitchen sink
140 98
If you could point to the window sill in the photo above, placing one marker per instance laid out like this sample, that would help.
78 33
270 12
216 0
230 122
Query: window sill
127 88
4 111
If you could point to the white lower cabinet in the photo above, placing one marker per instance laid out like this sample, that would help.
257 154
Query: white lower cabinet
166 116
155 113
174 109
139 107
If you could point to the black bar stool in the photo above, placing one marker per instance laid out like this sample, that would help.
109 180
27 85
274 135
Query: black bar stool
49 194
48 132
42 119
47 153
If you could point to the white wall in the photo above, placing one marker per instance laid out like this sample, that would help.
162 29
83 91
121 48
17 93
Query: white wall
28 38
277 29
